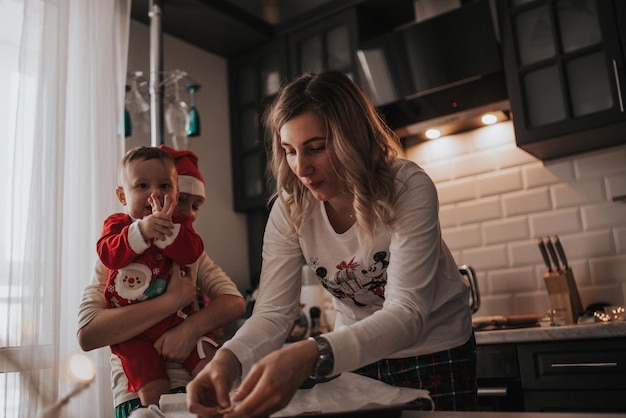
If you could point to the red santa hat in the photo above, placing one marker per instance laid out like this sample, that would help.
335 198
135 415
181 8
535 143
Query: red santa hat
189 178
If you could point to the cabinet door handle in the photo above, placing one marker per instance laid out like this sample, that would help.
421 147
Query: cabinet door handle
619 88
498 391
582 365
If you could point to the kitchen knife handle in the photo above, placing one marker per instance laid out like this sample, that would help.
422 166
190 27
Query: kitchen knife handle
552 253
561 251
544 253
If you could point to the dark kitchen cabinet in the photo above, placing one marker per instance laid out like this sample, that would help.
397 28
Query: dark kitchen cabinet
254 80
499 384
565 71
331 42
327 44
553 376
574 376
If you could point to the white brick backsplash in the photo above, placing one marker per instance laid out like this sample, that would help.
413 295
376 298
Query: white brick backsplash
418 154
499 182
458 257
540 271
496 305
590 244
479 210
438 171
449 147
620 239
611 294
495 200
462 237
456 191
524 253
579 193
601 163
531 302
447 216
492 257
615 185
482 162
516 280
512 156
528 201
603 216
608 269
505 230
491 137
538 174
557 222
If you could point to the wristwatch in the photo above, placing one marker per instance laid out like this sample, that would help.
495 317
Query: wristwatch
325 358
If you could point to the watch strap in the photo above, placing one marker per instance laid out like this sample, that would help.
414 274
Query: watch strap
325 358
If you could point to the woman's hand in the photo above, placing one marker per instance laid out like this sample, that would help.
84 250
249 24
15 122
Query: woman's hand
273 381
209 391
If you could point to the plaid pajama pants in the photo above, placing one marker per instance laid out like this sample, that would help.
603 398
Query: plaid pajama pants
449 375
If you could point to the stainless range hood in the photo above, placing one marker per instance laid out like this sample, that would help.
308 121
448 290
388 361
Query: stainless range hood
445 70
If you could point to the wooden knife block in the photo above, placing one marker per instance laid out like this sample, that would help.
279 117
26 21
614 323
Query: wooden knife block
563 293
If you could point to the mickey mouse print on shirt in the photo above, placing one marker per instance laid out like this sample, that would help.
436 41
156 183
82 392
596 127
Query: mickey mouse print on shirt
364 286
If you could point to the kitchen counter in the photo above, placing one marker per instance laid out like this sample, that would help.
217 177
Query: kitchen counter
553 333
374 413
444 414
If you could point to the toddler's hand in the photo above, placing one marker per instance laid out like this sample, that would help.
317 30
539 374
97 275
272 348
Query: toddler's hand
159 224
163 212
154 228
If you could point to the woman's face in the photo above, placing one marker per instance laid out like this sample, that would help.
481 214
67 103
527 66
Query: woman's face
303 138
189 204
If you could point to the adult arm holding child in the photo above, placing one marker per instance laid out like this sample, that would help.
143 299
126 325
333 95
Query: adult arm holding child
99 326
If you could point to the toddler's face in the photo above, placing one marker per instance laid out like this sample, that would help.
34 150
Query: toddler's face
142 178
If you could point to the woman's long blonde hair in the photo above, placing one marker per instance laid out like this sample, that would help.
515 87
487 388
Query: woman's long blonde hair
362 147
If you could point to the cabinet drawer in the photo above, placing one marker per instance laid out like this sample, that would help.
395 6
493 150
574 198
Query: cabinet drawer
585 365
602 401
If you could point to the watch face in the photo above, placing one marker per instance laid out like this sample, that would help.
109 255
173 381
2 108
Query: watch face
325 366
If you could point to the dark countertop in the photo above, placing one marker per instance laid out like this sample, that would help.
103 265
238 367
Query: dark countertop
553 333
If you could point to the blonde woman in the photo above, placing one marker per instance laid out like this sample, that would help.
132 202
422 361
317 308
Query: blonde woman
366 222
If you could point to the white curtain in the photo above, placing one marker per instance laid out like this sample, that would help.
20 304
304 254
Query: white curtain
60 154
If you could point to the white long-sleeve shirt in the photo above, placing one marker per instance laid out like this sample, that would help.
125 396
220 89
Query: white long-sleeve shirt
403 298
212 282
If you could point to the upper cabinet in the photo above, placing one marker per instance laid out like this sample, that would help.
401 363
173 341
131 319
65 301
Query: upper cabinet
564 65
327 44
254 80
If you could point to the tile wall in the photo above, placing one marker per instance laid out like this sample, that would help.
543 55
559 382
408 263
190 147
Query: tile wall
496 199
